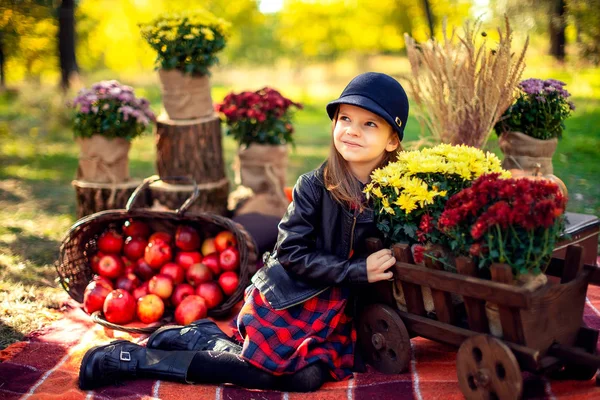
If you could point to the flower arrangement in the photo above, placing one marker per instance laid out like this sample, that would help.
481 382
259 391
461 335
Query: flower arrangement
110 109
187 41
409 194
263 117
513 221
539 111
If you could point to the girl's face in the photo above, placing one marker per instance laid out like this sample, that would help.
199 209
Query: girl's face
362 137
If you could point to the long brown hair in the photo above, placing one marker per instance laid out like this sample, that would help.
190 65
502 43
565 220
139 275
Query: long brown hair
338 178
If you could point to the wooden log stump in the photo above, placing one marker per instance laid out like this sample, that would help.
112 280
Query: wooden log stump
190 148
212 198
93 197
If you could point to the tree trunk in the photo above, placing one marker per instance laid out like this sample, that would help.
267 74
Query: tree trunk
2 76
66 42
190 148
94 197
557 29
429 15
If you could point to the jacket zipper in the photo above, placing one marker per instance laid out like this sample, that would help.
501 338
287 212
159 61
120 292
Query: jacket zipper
352 236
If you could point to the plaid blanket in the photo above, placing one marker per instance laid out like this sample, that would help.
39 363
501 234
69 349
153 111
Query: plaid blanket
47 365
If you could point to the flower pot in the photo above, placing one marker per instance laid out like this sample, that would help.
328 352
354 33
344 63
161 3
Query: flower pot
262 168
103 160
525 152
185 96
491 309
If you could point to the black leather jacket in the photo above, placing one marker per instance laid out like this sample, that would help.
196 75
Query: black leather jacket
316 236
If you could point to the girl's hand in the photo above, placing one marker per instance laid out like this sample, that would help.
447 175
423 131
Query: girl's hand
378 263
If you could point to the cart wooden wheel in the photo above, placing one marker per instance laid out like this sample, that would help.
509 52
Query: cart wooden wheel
384 339
488 369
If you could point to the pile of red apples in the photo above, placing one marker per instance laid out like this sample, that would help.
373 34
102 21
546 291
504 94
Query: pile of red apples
139 273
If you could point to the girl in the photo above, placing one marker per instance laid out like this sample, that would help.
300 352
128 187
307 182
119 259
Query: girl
295 323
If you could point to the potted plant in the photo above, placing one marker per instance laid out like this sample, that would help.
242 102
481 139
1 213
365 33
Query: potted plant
511 221
108 116
186 45
261 123
409 195
530 128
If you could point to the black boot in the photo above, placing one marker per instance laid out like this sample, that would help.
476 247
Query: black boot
120 360
203 334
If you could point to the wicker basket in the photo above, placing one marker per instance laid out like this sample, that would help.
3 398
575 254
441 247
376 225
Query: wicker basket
75 271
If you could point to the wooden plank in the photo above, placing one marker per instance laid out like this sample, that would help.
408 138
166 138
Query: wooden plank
379 292
476 315
556 266
555 314
574 355
441 299
498 293
413 294
510 318
573 263
454 336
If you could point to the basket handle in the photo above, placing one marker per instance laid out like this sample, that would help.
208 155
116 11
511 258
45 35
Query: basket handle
148 181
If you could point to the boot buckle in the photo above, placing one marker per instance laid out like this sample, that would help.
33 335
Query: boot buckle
125 356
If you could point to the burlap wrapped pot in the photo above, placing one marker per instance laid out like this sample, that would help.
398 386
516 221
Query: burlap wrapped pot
525 152
185 96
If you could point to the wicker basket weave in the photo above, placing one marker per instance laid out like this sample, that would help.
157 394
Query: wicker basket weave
80 243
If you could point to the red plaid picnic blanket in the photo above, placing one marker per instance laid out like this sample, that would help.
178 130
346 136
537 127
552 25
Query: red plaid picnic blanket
47 365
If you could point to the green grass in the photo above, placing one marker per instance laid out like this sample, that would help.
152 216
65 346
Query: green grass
38 160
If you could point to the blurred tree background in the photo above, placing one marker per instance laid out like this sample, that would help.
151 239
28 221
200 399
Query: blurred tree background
106 33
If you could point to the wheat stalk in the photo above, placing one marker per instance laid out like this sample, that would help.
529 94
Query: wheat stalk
461 87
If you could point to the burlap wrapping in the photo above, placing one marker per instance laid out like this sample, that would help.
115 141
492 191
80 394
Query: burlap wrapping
524 152
103 160
185 96
262 169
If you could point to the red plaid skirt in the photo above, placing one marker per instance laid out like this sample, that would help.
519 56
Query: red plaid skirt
285 341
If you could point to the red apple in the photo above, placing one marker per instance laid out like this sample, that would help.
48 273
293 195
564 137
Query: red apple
94 260
150 308
110 266
101 280
187 258
208 246
211 293
134 247
176 272
180 292
191 308
161 285
140 291
128 265
229 259
127 282
94 295
158 254
119 307
212 262
198 273
187 238
136 229
143 270
110 242
229 282
224 239
160 237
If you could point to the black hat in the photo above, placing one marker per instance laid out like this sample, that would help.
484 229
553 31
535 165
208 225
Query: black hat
379 93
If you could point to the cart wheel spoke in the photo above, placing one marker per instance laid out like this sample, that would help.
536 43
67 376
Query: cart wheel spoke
384 339
488 369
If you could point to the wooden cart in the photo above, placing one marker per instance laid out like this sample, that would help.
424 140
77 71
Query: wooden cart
543 329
